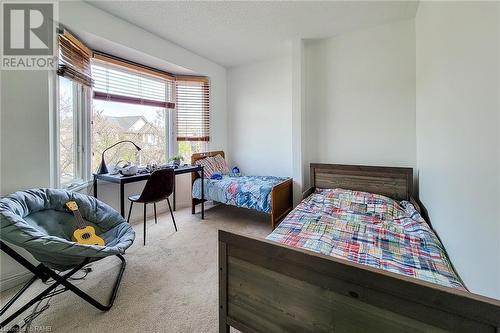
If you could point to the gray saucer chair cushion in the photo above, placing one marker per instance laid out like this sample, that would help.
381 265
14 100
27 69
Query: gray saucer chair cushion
37 221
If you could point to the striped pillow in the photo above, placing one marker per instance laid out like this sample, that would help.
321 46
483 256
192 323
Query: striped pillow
208 166
212 165
220 164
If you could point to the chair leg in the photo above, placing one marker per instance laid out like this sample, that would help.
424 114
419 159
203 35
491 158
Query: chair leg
171 213
44 273
154 205
144 223
130 211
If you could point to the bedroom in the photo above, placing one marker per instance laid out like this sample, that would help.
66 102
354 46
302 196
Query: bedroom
397 84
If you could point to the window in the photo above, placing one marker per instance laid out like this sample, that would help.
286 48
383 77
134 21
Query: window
193 116
144 125
71 160
74 86
130 104
103 99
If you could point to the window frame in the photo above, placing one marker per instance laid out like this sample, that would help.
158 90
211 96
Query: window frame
81 136
168 134
83 118
121 65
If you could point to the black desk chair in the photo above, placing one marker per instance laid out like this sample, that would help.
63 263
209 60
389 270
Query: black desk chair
159 186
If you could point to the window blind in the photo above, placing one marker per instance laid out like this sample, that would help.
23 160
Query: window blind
192 108
121 83
74 59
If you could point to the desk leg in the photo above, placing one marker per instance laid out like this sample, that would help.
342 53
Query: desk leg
202 194
95 187
122 199
174 193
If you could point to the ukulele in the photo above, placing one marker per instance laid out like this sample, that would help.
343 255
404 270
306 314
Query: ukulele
85 234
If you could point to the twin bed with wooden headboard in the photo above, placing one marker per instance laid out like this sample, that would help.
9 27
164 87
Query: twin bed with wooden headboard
280 195
281 285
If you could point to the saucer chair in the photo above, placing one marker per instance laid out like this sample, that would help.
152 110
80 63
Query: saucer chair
37 221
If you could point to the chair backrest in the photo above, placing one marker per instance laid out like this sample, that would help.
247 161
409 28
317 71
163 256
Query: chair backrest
159 186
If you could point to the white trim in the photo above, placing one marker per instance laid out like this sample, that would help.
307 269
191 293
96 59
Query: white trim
76 187
86 134
81 133
54 129
15 280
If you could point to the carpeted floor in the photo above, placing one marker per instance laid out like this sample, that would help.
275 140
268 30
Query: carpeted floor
170 285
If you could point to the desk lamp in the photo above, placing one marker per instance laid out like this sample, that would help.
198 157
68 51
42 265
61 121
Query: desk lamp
103 168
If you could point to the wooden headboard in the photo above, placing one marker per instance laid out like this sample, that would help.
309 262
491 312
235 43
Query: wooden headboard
199 156
393 182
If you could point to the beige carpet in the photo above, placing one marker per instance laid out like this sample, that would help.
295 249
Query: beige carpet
169 285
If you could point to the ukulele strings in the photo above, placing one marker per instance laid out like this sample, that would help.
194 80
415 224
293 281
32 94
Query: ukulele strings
79 219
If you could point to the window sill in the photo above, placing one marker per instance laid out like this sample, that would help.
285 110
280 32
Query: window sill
75 187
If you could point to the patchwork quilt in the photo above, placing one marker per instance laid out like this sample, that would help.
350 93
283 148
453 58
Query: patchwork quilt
251 192
368 229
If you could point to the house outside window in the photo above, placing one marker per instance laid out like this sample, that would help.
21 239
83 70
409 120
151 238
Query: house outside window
144 125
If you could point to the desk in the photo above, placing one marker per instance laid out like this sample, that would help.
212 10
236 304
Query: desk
122 180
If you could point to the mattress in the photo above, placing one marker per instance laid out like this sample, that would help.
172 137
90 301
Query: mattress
368 229
253 192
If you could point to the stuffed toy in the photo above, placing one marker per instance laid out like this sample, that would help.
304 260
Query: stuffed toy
236 172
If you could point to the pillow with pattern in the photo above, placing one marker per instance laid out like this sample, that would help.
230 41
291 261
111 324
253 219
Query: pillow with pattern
220 164
212 165
208 166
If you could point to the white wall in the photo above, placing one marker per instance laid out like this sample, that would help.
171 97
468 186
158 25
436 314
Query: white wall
300 167
24 154
24 130
260 117
25 103
458 125
360 96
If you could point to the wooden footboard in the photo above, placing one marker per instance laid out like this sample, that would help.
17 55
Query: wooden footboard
268 287
281 201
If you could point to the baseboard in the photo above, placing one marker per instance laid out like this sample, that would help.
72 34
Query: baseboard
15 280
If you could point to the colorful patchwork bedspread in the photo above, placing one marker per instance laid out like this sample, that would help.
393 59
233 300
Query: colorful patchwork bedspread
251 192
368 229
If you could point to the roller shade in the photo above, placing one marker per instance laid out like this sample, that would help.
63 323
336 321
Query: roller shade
126 85
74 59
192 108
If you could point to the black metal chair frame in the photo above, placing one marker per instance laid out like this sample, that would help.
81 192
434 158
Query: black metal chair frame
156 219
159 186
44 273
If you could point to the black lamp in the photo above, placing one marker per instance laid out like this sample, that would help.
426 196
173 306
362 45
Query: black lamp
103 168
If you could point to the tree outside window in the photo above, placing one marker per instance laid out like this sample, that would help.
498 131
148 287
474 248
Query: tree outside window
144 125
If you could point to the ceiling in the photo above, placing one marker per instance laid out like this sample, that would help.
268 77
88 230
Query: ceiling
100 44
233 33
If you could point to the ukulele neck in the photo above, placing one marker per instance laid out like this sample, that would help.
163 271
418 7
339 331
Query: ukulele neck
79 219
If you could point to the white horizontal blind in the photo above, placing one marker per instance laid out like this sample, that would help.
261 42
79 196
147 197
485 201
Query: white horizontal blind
193 108
120 84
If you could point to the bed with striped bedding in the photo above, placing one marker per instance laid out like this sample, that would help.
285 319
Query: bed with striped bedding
368 229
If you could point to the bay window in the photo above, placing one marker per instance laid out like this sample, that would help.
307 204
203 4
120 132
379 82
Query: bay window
130 104
103 99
